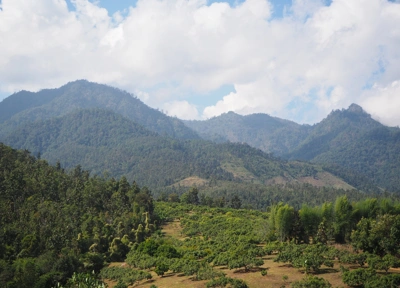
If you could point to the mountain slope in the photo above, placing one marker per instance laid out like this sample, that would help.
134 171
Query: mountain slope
270 134
28 107
101 140
352 139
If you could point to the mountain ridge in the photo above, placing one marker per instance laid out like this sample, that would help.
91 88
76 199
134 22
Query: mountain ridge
350 138
102 140
29 127
83 94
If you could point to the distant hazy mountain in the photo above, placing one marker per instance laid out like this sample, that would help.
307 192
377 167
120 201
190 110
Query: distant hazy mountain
270 134
27 106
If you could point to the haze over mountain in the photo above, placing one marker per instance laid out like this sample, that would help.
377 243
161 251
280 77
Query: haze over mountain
270 134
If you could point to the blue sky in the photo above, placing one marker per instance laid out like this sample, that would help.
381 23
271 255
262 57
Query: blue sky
113 6
294 59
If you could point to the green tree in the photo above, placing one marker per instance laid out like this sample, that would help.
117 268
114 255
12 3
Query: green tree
236 203
284 222
310 219
358 277
191 196
343 219
380 236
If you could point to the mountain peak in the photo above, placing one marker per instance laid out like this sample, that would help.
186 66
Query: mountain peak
355 108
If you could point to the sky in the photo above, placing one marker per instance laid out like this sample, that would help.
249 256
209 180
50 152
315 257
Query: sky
196 59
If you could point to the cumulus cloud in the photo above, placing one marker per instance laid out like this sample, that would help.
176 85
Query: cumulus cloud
316 57
181 109
384 103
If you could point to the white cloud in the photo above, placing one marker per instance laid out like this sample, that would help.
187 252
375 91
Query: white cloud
326 60
383 103
321 56
181 109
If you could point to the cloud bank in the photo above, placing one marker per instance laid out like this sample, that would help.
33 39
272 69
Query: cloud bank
315 58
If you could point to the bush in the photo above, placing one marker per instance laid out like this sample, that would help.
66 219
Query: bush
358 277
224 281
264 272
161 268
311 282
392 280
206 272
127 275
121 284
84 280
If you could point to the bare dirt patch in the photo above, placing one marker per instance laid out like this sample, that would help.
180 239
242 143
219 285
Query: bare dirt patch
173 229
192 181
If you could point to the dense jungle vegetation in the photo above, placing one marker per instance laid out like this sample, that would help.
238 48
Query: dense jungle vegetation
64 228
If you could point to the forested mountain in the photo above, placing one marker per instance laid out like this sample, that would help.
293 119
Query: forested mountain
106 129
101 140
352 139
28 107
270 134
348 142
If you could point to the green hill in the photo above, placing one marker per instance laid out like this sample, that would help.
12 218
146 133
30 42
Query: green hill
352 139
270 134
106 129
28 107
101 140
347 142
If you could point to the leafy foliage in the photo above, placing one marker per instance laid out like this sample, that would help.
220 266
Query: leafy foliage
311 282
309 257
125 275
56 223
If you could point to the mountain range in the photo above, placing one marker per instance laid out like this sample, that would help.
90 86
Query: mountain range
347 140
107 130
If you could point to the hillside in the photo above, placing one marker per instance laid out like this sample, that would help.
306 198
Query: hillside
106 129
352 139
270 134
55 223
26 106
67 229
101 140
347 142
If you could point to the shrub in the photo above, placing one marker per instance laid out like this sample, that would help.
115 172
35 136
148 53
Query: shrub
224 281
264 272
121 284
311 282
358 277
127 275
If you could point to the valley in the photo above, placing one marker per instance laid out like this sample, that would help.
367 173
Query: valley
98 189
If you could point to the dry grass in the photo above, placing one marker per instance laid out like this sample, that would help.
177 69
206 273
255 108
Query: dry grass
254 279
173 230
322 179
192 181
238 171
